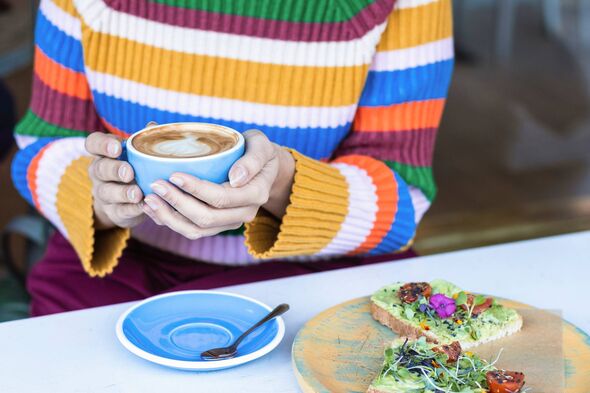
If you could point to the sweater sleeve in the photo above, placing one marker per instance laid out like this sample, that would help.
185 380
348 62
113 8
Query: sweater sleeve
370 196
51 168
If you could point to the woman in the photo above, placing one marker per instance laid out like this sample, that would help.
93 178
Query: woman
344 98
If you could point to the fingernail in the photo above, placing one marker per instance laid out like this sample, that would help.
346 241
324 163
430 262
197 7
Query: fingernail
152 204
131 193
123 172
159 189
113 147
237 176
177 181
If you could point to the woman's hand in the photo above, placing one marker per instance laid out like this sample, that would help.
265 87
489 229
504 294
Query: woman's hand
196 208
116 199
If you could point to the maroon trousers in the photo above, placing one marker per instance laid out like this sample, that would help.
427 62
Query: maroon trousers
58 283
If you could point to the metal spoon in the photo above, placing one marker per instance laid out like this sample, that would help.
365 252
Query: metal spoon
230 351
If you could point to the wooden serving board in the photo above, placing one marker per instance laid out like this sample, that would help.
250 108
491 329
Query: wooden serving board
341 350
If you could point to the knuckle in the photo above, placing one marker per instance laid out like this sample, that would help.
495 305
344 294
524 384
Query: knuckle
219 201
205 220
92 169
172 199
102 191
125 212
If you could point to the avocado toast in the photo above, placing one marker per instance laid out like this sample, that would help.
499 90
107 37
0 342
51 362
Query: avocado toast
412 366
443 313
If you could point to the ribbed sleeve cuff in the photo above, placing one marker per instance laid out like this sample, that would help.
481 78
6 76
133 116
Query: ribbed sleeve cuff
99 251
354 205
317 208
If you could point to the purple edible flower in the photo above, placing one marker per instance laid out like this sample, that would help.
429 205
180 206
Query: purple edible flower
423 307
444 306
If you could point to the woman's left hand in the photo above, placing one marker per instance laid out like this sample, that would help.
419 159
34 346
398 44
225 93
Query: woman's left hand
196 208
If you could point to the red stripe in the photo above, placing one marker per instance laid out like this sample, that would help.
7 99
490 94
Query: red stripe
32 176
60 78
370 16
387 198
399 117
63 110
414 147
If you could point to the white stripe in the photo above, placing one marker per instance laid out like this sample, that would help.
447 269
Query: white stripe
23 141
52 166
222 250
61 19
219 108
420 202
362 211
401 59
401 4
100 18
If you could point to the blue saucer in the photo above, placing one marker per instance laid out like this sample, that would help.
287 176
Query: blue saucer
173 329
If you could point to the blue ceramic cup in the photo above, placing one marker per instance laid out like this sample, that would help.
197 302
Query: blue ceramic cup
214 168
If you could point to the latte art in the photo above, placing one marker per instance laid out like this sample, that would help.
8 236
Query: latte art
186 147
183 143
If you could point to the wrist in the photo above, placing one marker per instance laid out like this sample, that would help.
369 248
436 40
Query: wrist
281 189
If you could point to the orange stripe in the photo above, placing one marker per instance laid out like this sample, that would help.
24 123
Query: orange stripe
399 117
60 78
114 130
32 176
387 198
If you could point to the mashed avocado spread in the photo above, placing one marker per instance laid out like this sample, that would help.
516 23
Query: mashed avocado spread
463 325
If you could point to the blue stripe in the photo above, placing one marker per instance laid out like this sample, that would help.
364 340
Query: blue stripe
413 84
20 165
59 46
403 227
130 117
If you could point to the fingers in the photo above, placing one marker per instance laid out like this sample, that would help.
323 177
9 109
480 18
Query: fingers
259 150
127 211
117 193
107 170
101 144
221 196
164 214
199 213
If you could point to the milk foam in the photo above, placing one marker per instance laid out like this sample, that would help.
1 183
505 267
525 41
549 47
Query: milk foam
186 147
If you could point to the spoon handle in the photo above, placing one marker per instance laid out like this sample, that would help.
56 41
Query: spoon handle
278 310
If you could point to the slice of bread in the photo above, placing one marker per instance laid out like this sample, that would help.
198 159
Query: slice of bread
410 328
405 329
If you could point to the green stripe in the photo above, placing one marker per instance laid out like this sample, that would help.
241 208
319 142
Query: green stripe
31 124
284 10
417 176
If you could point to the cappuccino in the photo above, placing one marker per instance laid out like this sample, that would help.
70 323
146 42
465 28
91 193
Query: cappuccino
184 141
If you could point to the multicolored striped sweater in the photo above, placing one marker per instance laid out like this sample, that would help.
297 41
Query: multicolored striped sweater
355 87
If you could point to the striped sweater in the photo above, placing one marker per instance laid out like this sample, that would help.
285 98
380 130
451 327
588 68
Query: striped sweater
356 88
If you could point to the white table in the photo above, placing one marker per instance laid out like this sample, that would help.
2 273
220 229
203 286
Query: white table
78 351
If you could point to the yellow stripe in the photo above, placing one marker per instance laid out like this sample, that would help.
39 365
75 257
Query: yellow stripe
409 27
221 77
98 251
318 207
66 6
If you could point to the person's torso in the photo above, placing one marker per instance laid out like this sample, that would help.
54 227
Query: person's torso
294 69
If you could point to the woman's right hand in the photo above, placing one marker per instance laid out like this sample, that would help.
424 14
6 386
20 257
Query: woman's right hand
116 197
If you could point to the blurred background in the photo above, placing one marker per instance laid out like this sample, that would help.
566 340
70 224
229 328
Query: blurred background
513 154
